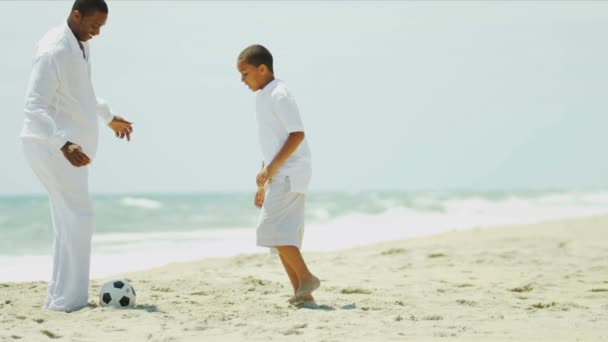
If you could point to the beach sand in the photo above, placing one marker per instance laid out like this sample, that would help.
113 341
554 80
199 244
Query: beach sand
541 282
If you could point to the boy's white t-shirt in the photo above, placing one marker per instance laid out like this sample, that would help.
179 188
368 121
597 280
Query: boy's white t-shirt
277 115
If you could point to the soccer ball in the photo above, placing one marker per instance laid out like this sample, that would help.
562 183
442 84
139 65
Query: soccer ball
117 293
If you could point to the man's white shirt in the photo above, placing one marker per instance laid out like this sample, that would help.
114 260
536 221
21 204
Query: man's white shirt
60 103
278 115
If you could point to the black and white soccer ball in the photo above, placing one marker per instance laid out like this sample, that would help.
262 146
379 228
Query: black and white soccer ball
117 293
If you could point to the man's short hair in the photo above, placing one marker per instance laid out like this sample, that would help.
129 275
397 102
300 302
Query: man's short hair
89 7
257 55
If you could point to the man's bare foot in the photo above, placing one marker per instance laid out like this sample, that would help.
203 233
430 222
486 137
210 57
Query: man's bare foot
306 288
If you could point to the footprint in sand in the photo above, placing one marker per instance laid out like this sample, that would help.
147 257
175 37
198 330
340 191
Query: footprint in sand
292 332
255 281
393 251
437 255
557 306
525 288
466 302
542 305
296 329
49 334
355 291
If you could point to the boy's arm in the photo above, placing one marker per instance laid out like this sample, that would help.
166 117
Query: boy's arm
291 144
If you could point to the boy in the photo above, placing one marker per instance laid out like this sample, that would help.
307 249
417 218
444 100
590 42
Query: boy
286 169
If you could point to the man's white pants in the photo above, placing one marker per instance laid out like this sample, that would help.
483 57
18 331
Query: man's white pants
72 217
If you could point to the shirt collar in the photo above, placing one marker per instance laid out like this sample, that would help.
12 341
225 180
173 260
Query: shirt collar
270 86
71 38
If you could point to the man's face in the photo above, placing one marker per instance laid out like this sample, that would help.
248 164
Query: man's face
90 25
254 77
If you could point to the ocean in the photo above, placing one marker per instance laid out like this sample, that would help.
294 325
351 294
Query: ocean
136 232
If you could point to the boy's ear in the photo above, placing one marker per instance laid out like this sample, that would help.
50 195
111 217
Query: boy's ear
263 68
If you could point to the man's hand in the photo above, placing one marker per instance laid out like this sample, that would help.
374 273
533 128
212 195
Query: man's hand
75 155
264 175
121 127
259 197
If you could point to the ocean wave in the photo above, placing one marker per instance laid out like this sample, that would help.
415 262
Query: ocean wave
207 234
580 198
143 203
334 221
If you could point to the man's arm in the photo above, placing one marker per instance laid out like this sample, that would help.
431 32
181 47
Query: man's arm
104 111
289 147
121 127
41 92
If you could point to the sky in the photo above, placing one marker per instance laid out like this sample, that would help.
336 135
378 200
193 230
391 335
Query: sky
395 95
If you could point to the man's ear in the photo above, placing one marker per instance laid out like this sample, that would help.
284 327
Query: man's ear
77 16
263 69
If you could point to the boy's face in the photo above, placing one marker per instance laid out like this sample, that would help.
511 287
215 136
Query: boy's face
254 77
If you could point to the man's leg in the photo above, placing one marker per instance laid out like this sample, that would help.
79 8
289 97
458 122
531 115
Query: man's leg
72 218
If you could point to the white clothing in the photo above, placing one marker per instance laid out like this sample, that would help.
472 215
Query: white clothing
61 106
72 217
60 103
278 115
281 221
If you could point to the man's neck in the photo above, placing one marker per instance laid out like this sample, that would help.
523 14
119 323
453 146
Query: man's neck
72 26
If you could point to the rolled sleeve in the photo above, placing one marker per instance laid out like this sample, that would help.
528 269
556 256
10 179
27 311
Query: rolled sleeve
104 111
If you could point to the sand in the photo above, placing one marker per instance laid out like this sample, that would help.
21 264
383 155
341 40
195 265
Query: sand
542 282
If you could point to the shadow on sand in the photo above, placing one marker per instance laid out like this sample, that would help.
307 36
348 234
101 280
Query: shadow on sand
323 307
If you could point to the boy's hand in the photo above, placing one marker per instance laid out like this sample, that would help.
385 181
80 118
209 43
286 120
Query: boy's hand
259 197
265 174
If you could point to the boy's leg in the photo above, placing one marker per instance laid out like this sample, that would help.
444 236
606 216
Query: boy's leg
295 282
307 282
293 277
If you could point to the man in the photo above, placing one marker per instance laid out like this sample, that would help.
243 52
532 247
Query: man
59 136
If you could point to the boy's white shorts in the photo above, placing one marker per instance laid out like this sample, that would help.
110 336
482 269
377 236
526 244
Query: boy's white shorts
281 221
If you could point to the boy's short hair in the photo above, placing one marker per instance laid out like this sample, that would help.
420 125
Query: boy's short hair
89 7
257 55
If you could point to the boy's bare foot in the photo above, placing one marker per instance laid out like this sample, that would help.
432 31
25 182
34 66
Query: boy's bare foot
306 288
308 298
